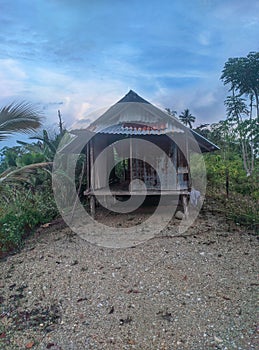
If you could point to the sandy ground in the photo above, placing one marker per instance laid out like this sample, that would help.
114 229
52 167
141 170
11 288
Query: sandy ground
192 291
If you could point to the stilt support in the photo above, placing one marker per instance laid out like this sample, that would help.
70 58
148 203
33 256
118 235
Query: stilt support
92 206
185 206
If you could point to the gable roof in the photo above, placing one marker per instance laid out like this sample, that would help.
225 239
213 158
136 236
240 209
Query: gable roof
132 115
133 109
132 96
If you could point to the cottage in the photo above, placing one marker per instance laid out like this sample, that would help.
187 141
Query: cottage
136 148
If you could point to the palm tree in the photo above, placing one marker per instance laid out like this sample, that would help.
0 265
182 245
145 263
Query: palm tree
187 118
171 112
18 117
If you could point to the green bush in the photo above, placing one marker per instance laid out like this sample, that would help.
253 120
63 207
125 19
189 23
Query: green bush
242 203
23 215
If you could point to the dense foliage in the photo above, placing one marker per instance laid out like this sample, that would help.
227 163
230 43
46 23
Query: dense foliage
27 199
232 172
26 194
22 213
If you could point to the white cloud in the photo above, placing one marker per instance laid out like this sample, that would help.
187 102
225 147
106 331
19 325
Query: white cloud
88 60
204 38
13 78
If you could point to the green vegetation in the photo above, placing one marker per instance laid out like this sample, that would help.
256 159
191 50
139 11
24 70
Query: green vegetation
232 172
236 195
26 193
187 118
19 117
25 176
24 211
27 199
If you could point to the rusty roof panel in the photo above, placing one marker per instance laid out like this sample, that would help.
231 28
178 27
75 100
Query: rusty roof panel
138 130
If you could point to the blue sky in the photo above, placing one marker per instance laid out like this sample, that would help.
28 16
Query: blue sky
83 56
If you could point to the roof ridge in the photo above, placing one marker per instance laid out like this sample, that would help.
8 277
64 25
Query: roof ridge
132 96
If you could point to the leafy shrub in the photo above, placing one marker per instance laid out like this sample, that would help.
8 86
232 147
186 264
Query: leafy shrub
241 206
23 215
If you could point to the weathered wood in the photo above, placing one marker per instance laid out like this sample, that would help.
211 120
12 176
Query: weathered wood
92 197
121 192
185 205
92 206
91 165
124 169
78 191
88 167
189 181
131 164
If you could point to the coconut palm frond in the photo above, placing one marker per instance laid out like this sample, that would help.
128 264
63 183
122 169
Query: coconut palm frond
19 117
22 174
32 147
187 118
51 144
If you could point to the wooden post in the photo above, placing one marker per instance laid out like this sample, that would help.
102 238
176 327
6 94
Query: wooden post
131 164
175 160
187 148
91 166
78 191
92 205
87 168
124 169
188 161
92 198
185 205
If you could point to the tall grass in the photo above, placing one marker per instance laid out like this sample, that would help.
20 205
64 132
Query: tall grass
21 213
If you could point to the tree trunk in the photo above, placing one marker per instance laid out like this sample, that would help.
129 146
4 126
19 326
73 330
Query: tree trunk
257 105
227 182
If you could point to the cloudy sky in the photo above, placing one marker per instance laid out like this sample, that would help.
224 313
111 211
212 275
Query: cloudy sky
82 56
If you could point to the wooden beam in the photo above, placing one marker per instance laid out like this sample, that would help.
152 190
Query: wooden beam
131 164
91 165
185 205
92 197
188 161
88 167
92 206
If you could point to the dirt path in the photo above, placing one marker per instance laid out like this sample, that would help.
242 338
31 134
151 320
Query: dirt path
193 292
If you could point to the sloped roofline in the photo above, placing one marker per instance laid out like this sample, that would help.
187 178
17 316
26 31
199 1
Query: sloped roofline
129 101
132 96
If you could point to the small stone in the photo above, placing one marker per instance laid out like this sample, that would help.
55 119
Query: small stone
179 215
217 339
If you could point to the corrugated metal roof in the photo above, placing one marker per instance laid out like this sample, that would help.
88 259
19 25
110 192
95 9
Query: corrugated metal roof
138 130
133 109
205 145
133 115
